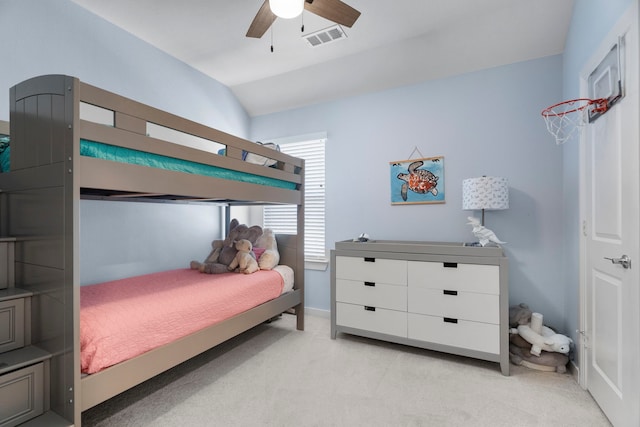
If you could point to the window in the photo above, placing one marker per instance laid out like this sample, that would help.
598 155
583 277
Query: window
282 219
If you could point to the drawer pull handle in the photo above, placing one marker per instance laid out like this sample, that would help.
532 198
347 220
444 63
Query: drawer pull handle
447 292
450 320
450 264
369 283
369 308
368 259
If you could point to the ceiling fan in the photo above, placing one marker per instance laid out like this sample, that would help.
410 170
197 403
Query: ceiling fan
333 10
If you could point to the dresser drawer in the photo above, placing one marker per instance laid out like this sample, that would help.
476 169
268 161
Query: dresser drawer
11 324
393 297
477 336
377 270
22 395
456 304
373 319
455 276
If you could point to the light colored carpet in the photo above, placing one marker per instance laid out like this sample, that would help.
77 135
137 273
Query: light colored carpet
275 375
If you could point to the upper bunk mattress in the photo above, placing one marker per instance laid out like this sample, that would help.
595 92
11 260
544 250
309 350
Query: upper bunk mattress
124 318
141 158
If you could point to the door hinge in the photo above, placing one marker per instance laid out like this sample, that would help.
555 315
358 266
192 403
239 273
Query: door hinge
584 338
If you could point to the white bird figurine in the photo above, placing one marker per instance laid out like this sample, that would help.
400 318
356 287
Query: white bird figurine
483 234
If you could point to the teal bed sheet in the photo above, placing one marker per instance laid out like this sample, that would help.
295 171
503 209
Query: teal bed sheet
4 153
136 157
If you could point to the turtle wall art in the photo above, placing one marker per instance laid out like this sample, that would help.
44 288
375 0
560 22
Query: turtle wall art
417 181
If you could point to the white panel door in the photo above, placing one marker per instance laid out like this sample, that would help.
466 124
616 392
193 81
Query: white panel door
610 352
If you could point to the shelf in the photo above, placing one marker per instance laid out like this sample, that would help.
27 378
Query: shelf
22 357
48 419
13 293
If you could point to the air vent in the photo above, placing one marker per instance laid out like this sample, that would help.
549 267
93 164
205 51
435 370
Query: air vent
328 35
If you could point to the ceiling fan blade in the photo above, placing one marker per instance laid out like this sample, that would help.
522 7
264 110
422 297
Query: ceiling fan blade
333 10
261 23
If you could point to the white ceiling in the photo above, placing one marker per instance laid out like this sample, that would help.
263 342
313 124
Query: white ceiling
393 43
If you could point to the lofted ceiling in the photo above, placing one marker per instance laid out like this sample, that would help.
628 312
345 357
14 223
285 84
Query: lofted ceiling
393 43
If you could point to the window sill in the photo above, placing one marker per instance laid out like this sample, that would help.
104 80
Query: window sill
320 265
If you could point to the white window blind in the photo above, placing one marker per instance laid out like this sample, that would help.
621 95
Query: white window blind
282 218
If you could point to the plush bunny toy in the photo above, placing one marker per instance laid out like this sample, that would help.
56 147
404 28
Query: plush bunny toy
244 261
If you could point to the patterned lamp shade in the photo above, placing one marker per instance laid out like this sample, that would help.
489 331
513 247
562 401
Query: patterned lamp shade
486 192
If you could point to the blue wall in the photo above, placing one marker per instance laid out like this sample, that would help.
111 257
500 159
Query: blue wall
483 123
591 21
124 239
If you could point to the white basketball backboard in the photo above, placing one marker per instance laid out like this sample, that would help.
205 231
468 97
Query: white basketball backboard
605 80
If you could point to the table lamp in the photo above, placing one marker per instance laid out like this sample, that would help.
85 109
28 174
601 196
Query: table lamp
485 192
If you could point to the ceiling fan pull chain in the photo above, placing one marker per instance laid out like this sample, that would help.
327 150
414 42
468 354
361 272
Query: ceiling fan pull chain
302 19
272 39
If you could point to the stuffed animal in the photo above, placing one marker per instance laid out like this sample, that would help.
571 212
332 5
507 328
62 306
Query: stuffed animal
216 248
237 232
270 257
228 251
244 261
543 338
519 315
520 354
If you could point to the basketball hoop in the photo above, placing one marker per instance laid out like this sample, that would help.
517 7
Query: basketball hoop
566 118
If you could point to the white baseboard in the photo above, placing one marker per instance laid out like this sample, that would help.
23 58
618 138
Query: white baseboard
574 370
317 312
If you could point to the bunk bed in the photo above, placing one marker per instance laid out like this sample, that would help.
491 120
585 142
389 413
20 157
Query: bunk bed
51 170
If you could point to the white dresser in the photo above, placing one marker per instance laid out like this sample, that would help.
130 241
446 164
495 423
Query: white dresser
439 296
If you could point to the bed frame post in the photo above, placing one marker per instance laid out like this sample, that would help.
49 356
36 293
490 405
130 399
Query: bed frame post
300 273
41 199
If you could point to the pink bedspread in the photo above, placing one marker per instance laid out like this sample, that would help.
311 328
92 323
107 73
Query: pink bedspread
125 318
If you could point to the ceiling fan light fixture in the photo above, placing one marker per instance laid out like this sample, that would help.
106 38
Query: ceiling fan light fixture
286 9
